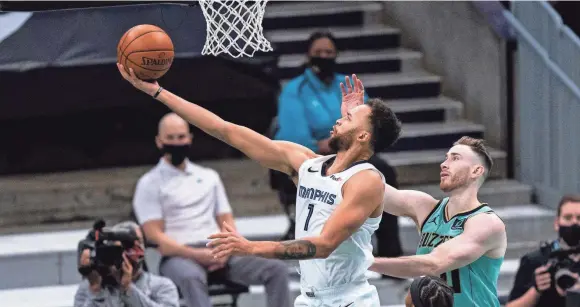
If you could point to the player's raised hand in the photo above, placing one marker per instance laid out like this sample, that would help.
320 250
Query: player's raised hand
229 243
149 88
352 96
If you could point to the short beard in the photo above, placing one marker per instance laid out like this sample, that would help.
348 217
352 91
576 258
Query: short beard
455 182
340 143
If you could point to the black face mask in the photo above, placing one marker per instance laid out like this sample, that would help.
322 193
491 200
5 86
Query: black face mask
326 66
570 234
178 152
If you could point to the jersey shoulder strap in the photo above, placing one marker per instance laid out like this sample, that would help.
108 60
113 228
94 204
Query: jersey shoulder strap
484 208
351 171
315 163
436 214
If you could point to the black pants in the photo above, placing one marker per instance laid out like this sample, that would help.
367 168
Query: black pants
389 244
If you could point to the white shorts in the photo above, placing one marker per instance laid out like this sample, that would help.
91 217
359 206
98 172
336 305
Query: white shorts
351 295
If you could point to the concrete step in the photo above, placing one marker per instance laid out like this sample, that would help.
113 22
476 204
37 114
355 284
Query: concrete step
420 110
423 166
63 214
361 61
320 14
82 195
426 136
497 193
347 38
403 85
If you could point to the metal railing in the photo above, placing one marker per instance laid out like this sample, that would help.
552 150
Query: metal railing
547 101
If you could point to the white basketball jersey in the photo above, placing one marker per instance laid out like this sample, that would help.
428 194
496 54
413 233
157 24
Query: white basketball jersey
317 197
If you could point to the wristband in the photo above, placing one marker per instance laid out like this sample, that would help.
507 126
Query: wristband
158 91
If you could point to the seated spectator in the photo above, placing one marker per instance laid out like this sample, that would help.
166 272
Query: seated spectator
534 284
309 105
130 287
308 108
179 204
429 291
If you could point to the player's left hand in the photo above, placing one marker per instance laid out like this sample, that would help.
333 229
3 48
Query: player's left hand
149 88
229 243
351 96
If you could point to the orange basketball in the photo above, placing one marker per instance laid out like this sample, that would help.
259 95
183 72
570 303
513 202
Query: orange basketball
147 49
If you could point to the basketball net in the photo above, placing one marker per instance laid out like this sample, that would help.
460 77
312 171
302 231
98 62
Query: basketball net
234 27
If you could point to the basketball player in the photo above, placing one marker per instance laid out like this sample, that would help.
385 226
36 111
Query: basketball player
339 199
462 240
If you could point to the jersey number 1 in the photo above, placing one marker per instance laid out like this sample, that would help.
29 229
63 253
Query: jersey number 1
455 282
310 211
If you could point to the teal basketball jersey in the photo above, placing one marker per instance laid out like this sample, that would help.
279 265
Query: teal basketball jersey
475 285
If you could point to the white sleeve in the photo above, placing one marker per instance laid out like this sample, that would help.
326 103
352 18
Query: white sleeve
223 204
146 201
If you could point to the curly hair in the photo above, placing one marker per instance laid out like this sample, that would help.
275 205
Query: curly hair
385 125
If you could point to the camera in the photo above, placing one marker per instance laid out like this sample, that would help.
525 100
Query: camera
559 264
106 250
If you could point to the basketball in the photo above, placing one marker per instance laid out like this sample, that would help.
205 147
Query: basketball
147 49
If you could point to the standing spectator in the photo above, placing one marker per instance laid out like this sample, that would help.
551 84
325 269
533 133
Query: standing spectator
179 204
308 107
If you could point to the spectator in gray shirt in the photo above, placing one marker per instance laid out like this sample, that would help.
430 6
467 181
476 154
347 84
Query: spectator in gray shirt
136 288
179 204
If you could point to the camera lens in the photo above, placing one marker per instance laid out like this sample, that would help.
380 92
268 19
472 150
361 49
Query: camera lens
565 279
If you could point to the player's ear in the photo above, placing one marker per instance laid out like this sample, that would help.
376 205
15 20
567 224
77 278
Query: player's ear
478 170
364 136
158 142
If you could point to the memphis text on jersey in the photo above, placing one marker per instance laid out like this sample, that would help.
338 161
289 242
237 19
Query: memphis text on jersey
316 195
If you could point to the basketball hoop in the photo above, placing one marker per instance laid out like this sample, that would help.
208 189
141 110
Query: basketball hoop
234 27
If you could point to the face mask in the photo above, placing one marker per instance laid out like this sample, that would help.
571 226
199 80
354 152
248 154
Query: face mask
178 152
570 234
325 66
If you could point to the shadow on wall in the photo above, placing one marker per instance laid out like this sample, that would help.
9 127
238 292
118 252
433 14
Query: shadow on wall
569 12
459 45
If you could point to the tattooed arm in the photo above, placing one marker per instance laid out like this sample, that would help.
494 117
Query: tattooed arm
362 198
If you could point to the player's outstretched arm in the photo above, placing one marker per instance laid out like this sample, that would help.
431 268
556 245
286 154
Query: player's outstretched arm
282 156
410 203
362 196
483 233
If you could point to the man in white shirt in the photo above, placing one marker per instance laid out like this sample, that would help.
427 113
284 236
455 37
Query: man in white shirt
179 204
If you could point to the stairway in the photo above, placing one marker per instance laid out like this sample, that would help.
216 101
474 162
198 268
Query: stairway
431 122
